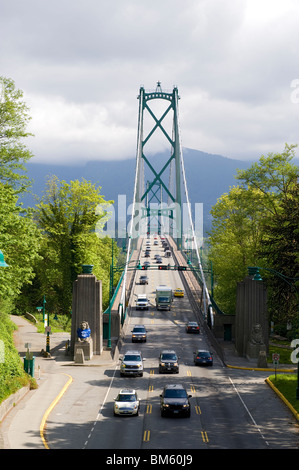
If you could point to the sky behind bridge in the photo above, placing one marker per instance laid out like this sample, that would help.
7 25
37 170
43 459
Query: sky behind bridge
81 63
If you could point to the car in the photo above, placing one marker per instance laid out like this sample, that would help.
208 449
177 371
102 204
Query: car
179 292
192 327
126 403
168 361
147 254
174 400
142 302
139 334
156 242
203 358
159 261
131 363
143 280
146 264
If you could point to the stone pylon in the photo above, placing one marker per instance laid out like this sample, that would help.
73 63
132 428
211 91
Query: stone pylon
87 306
251 310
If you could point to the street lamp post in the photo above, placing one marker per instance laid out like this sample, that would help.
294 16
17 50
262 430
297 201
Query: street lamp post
46 322
110 297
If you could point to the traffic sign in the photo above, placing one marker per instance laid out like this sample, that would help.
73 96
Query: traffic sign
275 358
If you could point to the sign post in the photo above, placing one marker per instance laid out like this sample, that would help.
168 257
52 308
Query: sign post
275 359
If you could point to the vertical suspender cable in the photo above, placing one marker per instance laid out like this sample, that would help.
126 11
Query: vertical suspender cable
206 295
135 196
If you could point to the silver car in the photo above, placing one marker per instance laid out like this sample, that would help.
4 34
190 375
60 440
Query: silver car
131 363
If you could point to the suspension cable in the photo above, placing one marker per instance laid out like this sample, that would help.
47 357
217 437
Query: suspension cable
206 295
136 189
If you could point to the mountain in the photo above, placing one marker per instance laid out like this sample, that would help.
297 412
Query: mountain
208 177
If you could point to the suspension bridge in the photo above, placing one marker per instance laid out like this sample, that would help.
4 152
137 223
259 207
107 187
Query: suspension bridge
161 203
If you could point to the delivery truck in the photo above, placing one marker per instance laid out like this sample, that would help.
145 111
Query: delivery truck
164 297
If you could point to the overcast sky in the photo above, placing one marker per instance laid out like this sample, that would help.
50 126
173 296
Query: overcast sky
80 64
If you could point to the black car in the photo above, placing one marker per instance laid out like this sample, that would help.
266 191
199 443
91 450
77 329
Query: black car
143 280
203 358
139 334
175 401
168 361
192 327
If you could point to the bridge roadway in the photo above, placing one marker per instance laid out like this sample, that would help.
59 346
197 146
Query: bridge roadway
230 408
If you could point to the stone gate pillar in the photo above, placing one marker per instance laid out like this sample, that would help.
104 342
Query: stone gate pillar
87 306
251 310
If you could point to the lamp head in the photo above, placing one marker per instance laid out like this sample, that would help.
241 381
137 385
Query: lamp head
3 264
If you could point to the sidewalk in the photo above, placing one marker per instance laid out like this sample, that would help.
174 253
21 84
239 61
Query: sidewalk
51 378
232 360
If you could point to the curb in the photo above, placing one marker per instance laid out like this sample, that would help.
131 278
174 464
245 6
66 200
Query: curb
282 397
53 404
9 403
262 369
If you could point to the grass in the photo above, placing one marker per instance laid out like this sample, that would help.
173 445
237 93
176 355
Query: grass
287 384
12 374
58 323
284 352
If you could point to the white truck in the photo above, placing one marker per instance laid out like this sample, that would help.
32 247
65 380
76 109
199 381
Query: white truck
164 297
142 302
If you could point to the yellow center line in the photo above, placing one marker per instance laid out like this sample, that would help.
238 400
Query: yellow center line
149 408
146 436
204 436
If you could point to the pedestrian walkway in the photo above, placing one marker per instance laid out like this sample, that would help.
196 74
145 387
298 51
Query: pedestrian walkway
51 379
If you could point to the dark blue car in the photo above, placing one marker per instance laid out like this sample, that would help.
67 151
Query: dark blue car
203 358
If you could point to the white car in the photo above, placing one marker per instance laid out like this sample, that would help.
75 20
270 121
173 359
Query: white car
126 403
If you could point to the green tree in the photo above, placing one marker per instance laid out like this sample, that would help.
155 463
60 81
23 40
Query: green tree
241 218
19 238
67 215
280 249
234 242
273 176
14 118
19 241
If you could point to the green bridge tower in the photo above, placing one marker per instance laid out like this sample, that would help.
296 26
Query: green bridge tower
163 184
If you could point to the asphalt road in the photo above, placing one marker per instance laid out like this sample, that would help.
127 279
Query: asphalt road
230 409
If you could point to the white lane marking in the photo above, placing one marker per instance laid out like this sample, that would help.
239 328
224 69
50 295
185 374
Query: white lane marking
102 406
250 415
